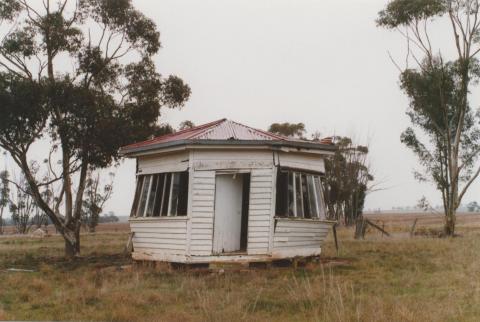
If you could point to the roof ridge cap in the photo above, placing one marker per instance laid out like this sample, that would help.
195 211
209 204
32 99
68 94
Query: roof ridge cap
207 127
198 127
266 133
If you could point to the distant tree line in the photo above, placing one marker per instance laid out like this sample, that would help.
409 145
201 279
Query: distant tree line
108 217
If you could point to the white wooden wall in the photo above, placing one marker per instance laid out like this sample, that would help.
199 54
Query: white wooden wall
202 212
301 161
260 210
260 165
192 235
160 235
300 237
230 159
165 163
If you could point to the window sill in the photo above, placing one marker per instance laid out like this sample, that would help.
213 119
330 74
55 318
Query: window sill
305 219
165 218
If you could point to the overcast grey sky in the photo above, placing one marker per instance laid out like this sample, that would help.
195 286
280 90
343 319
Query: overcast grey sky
324 63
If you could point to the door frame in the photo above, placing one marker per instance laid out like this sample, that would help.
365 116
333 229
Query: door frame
232 172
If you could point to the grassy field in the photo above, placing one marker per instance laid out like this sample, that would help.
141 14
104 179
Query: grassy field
378 279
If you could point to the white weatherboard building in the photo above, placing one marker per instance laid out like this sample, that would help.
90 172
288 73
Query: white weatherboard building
226 192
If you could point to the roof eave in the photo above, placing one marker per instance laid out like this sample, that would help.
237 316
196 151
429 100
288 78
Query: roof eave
131 152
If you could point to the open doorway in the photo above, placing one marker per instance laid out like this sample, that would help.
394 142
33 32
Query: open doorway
230 233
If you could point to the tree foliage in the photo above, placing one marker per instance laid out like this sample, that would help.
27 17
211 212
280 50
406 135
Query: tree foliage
434 114
288 129
404 12
80 74
184 125
473 206
108 218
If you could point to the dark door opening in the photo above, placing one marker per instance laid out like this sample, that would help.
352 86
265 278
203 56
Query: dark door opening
245 206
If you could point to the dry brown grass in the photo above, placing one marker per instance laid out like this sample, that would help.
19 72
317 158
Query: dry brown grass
379 279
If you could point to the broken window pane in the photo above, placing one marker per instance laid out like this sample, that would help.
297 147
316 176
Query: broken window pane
298 195
321 203
174 192
183 195
144 196
152 195
312 197
291 195
281 207
166 194
161 195
138 190
305 197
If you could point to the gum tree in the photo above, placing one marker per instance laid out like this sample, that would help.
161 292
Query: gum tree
80 74
439 90
288 129
347 181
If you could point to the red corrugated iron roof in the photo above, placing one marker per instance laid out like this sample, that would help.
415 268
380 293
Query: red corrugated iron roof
180 135
218 130
222 129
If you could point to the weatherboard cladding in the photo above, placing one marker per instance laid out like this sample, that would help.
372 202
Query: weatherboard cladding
299 234
203 202
260 210
164 235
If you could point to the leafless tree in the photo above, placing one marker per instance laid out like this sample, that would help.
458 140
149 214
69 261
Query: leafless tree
22 207
95 198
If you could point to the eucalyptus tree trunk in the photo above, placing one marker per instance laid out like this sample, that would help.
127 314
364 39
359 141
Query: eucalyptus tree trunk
72 244
449 227
1 220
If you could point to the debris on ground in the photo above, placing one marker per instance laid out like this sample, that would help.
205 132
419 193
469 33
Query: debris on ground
39 233
20 270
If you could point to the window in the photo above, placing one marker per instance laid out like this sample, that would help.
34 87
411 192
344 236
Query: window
299 195
162 194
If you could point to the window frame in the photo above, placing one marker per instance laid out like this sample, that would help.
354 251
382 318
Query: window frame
291 207
160 182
